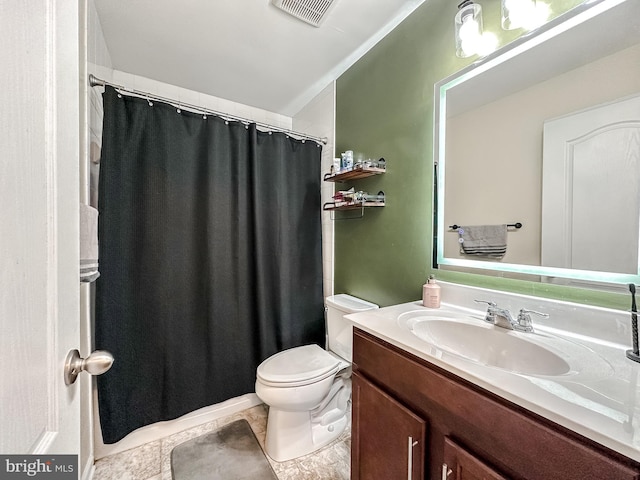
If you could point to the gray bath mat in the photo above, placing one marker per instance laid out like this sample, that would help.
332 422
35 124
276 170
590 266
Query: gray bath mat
230 453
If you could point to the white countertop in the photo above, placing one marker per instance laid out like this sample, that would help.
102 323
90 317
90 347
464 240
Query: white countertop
599 398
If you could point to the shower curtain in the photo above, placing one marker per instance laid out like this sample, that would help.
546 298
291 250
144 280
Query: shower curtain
210 258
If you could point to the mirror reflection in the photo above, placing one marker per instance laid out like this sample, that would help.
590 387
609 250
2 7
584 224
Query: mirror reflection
546 133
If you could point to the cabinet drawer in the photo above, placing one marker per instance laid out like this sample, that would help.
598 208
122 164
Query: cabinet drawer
517 442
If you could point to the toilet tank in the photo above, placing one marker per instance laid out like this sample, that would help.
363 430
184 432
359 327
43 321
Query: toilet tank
339 330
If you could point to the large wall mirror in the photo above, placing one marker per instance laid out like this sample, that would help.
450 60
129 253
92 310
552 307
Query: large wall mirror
546 133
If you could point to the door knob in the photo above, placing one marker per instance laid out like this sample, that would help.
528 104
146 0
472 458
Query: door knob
95 364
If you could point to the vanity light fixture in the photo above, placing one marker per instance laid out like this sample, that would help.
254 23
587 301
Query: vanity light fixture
526 14
468 25
470 38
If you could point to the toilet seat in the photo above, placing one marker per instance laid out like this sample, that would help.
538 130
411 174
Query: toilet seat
298 366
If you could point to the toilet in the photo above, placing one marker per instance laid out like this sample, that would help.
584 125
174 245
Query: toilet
308 389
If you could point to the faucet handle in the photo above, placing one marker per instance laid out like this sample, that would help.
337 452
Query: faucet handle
524 323
488 302
490 316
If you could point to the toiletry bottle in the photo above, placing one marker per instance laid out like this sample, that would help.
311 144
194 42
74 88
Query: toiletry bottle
336 166
431 293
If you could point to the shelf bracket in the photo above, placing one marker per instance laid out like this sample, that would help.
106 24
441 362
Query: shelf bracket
332 214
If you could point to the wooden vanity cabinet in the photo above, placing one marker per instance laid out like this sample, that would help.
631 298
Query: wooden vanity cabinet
463 431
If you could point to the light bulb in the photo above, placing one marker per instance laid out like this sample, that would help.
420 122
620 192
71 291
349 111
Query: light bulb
487 43
468 29
526 14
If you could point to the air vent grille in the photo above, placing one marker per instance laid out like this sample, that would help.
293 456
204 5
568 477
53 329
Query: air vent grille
310 11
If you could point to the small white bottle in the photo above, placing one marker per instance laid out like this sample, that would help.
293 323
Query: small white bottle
431 293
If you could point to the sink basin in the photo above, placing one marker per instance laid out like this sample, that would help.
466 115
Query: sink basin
486 344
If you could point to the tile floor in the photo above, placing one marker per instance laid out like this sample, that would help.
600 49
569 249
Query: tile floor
152 460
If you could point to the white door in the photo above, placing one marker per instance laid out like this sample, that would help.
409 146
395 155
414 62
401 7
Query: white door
590 200
39 185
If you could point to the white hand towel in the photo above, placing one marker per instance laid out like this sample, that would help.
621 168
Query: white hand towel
88 243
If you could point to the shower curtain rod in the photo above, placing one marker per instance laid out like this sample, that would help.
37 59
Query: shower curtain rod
96 82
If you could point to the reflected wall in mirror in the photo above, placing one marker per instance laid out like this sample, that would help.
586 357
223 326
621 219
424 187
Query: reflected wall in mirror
546 132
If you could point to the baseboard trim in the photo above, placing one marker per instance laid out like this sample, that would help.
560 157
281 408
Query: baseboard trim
160 430
89 469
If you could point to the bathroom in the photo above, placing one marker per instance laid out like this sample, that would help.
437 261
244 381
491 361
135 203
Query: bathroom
382 105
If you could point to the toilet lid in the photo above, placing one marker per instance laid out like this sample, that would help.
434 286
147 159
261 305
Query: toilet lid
299 365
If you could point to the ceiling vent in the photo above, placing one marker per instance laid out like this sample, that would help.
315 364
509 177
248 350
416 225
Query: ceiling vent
310 11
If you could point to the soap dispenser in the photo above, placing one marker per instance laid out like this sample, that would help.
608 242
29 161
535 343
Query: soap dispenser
431 293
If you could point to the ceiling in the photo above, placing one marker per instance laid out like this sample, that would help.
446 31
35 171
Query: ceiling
247 51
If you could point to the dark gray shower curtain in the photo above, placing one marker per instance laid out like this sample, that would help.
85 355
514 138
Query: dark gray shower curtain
210 258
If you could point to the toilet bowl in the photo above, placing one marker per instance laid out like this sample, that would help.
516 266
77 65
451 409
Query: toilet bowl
308 389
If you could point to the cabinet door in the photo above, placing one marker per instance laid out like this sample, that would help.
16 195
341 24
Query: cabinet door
388 440
461 465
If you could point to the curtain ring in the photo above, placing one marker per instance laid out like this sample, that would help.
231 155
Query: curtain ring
178 110
149 102
204 117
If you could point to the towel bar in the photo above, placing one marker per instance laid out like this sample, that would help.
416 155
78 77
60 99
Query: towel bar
514 225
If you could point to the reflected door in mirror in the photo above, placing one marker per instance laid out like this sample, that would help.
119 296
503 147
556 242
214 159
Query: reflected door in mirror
591 174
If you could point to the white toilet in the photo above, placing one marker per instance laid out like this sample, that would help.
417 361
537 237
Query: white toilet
308 389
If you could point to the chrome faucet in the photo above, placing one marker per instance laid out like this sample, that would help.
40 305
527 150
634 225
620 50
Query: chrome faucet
502 317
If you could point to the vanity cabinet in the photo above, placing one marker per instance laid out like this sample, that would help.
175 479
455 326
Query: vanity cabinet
469 433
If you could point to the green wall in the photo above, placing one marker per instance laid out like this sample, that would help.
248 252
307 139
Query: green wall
384 108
